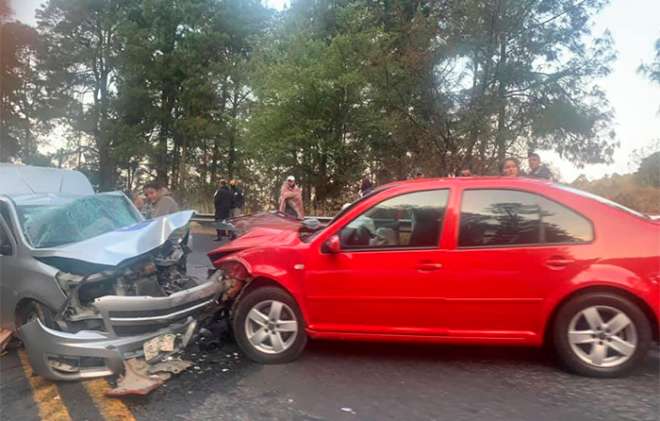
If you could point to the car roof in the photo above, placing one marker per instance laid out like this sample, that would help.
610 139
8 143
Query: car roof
25 180
505 183
495 181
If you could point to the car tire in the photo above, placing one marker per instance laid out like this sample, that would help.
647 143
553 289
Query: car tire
601 334
268 326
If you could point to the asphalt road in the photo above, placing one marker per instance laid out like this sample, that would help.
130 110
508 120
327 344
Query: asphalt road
335 381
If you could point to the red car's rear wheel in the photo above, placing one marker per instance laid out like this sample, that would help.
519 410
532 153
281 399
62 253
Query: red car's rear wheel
601 335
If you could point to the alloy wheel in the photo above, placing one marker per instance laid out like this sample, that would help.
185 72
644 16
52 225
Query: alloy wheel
602 336
271 326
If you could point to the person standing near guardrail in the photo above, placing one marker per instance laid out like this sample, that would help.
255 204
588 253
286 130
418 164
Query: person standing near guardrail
222 200
237 200
291 201
160 198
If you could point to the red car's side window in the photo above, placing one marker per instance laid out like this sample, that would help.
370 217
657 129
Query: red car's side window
491 217
408 220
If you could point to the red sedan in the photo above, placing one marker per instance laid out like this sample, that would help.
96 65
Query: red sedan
506 261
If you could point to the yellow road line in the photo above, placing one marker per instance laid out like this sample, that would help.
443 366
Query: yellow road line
111 409
44 393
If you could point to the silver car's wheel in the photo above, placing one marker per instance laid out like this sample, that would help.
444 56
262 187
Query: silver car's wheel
271 327
602 336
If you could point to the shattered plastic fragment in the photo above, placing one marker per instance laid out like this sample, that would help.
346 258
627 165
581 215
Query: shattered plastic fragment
171 366
153 347
135 380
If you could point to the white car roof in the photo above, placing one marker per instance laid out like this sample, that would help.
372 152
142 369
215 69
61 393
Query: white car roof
24 179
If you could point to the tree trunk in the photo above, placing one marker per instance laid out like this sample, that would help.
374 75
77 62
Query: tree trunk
231 162
106 169
500 137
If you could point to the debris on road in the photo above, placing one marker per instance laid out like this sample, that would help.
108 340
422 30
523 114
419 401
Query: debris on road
173 366
136 380
141 378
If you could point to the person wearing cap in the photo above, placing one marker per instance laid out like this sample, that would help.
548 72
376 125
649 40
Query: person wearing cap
291 201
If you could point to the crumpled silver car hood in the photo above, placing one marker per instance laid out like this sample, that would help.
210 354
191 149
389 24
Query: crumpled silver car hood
112 248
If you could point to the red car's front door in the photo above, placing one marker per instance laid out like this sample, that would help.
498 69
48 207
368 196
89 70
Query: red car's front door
387 277
512 249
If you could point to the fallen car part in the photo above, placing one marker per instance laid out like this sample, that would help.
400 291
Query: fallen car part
141 378
136 380
170 366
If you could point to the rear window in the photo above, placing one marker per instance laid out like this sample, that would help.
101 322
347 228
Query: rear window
602 200
513 218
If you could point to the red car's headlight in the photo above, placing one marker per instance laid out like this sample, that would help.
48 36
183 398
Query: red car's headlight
234 270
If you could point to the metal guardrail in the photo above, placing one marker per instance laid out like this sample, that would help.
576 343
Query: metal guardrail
209 217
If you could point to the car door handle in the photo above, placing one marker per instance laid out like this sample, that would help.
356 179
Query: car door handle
429 267
558 262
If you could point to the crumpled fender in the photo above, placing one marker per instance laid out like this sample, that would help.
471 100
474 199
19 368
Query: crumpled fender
287 274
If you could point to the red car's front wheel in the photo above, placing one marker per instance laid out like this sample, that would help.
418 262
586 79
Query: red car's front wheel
269 327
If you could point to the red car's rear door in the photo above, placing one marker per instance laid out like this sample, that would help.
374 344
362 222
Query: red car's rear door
512 248
387 277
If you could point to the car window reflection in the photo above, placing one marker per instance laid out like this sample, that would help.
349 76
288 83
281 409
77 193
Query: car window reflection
507 217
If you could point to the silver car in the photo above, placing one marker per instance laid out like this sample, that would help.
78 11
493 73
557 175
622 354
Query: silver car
86 281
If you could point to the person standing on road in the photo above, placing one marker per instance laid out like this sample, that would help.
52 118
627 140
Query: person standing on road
237 200
291 201
222 201
511 168
536 168
160 198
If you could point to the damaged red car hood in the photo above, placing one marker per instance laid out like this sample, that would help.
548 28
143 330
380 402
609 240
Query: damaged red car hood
259 230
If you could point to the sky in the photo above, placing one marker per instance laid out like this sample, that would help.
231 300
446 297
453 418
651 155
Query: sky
635 25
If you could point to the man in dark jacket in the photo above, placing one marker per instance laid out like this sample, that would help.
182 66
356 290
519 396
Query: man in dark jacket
536 168
222 201
237 200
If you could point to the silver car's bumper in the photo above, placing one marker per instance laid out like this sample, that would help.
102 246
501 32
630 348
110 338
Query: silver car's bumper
128 323
128 316
47 347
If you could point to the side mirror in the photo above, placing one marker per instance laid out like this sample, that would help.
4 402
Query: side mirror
332 245
5 249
